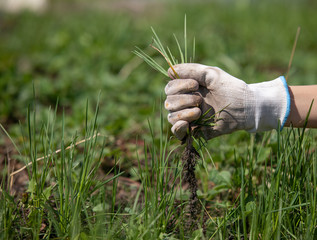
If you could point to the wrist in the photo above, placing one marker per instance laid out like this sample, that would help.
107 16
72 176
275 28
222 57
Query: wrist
301 100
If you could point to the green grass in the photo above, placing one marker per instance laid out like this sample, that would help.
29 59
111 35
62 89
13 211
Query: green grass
126 182
270 197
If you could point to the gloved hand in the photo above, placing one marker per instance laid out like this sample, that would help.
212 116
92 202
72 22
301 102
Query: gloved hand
229 103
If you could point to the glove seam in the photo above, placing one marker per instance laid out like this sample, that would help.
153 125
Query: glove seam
245 112
249 110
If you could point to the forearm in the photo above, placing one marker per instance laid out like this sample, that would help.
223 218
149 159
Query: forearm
301 99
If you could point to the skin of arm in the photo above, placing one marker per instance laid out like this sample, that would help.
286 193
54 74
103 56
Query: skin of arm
301 100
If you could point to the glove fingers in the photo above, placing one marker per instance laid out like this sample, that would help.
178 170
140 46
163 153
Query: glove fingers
179 129
175 103
189 115
181 86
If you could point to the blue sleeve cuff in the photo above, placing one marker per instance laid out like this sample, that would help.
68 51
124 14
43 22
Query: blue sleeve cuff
288 99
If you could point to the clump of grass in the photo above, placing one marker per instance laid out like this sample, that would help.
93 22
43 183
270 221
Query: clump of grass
190 154
60 200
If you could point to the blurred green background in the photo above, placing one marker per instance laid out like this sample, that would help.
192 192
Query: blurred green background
75 50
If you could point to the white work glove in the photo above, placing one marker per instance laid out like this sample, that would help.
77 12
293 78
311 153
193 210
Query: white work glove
230 102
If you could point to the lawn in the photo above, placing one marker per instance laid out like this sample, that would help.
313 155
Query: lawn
85 115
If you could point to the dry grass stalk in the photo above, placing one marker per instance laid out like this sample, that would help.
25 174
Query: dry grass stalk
49 155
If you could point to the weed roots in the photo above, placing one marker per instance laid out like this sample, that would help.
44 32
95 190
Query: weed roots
189 159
